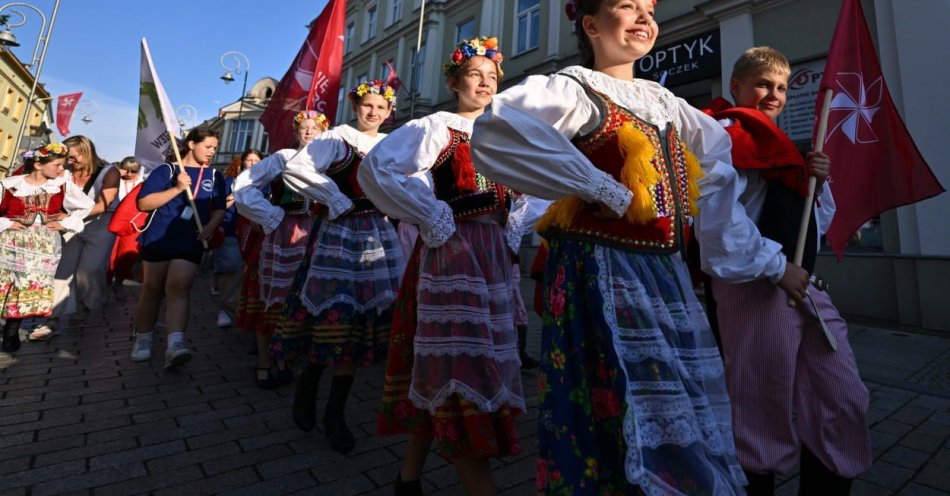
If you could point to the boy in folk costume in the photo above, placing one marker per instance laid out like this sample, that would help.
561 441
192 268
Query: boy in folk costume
790 389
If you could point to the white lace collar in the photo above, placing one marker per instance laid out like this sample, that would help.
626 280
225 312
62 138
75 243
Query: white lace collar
21 189
454 121
363 142
647 99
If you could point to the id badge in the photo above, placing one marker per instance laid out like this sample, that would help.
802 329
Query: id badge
187 213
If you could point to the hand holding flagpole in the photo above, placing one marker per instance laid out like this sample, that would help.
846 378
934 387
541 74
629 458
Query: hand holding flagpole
191 198
812 183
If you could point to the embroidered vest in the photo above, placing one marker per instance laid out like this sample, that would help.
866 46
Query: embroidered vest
343 173
25 209
457 183
653 163
287 199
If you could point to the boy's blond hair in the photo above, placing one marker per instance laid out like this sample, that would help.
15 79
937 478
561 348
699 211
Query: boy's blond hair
757 60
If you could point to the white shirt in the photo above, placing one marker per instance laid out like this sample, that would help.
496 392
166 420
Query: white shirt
75 202
248 190
523 141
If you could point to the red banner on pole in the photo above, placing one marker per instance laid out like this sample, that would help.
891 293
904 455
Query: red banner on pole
65 106
392 79
875 165
313 80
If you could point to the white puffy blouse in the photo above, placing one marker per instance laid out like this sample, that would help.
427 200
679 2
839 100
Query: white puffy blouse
395 176
248 190
524 141
76 203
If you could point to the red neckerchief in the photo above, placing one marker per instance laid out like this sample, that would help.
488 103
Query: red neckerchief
759 144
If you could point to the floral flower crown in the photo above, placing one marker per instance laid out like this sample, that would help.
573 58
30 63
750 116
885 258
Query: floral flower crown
466 49
570 9
319 118
375 87
55 150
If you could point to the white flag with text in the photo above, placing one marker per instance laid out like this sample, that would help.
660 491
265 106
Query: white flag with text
156 116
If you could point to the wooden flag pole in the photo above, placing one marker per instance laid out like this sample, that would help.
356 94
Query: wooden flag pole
191 198
812 182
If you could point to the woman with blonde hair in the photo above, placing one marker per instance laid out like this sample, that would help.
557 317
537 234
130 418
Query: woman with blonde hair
80 284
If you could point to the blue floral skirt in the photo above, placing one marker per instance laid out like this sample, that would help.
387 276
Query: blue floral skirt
632 393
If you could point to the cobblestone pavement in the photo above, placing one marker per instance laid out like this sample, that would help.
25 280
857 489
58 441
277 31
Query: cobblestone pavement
77 417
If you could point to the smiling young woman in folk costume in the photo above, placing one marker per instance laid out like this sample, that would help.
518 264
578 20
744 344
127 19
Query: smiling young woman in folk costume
286 220
632 394
338 312
34 209
453 374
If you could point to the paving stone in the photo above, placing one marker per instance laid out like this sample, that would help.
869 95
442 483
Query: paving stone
882 440
15 439
332 470
922 442
893 427
297 462
887 475
148 484
271 438
136 455
863 488
85 427
914 489
89 480
35 448
192 457
161 436
38 475
284 485
352 485
934 475
213 485
905 457
83 452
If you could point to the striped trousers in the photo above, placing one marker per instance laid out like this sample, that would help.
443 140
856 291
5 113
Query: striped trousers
786 384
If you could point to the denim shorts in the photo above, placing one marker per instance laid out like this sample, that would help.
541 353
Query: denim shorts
227 257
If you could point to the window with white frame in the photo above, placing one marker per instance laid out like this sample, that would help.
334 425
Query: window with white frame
418 69
340 105
370 31
395 11
348 37
527 24
465 30
362 79
241 132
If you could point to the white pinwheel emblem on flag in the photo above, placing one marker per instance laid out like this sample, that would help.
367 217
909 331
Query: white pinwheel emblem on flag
854 107
67 102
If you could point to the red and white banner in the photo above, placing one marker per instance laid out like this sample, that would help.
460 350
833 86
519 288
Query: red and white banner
875 165
313 80
392 79
65 106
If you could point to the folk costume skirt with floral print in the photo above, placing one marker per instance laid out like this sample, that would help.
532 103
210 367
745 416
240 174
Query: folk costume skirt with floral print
632 392
339 307
28 260
453 371
269 274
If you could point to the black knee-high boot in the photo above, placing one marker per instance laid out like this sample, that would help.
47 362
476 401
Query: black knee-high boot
526 361
11 335
305 397
816 478
760 484
334 421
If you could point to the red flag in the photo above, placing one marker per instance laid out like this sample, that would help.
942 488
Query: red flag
65 106
875 165
313 80
392 80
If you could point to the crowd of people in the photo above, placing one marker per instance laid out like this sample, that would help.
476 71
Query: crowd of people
355 247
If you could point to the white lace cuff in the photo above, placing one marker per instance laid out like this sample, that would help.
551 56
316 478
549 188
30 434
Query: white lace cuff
5 224
514 232
273 220
73 224
441 227
613 194
339 206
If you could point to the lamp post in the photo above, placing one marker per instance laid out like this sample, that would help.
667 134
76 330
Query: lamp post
87 103
228 78
186 113
7 38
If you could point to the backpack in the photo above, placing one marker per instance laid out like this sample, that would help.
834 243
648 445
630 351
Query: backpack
127 218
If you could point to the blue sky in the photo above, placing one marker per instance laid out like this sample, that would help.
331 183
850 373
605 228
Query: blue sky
95 48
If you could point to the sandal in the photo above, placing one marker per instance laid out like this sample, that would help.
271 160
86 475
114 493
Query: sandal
43 333
266 379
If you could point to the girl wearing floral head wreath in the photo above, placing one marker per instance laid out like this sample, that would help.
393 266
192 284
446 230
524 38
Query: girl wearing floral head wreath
632 392
286 222
338 313
34 209
453 375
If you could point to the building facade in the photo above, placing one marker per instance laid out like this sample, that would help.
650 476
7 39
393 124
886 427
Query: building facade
898 272
15 83
238 123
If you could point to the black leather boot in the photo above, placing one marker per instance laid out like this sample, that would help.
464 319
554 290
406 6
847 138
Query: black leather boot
11 335
760 484
816 478
334 421
527 362
406 488
305 397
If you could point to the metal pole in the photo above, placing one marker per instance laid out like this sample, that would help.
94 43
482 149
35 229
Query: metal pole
415 63
241 110
36 77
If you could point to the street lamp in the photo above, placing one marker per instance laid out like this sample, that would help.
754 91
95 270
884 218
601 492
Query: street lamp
236 68
186 113
7 38
86 104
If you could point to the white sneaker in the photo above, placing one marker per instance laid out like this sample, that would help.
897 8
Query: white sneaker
141 348
224 320
214 291
176 356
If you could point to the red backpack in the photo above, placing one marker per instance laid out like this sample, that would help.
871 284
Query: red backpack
127 218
